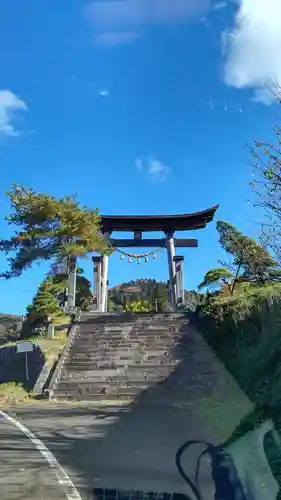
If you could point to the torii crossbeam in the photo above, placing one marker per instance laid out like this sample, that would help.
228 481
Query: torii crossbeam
139 224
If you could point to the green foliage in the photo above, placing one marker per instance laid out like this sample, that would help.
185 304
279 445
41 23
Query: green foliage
13 394
84 297
244 330
44 307
138 306
241 304
155 293
57 285
255 263
48 228
195 300
215 277
44 304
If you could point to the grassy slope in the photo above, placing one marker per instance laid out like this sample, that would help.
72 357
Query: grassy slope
12 394
245 331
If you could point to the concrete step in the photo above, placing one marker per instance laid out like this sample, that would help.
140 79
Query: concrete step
110 372
150 378
96 367
135 334
109 344
146 396
123 360
129 366
97 386
130 338
94 355
98 398
102 353
109 391
98 362
103 348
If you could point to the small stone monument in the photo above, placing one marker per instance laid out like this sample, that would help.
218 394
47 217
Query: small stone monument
51 329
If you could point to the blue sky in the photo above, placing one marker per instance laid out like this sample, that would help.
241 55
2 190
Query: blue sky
140 106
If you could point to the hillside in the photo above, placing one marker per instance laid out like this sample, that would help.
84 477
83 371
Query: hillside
151 291
10 327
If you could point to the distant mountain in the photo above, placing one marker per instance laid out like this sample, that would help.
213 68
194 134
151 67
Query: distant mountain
10 327
151 291
143 289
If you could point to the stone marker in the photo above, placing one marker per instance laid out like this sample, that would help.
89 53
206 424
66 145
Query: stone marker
51 331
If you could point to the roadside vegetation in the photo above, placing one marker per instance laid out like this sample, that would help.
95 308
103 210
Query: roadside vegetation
58 231
242 317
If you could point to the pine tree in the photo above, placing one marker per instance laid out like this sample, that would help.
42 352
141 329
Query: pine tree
253 261
217 277
49 228
44 305
57 285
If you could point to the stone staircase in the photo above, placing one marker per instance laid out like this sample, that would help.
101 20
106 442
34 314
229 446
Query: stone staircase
113 358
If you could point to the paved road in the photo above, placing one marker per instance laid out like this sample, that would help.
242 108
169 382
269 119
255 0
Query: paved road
131 448
24 473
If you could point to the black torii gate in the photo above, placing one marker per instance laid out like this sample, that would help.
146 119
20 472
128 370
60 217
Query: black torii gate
139 224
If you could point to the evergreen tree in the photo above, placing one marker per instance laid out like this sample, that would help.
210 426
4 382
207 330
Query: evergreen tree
44 304
57 285
217 277
253 261
48 228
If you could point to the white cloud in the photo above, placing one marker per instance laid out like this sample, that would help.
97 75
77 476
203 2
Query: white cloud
253 48
117 22
155 169
104 93
220 5
139 164
158 171
111 39
9 105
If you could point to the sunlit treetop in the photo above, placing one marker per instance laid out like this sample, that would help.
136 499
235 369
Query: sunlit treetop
46 227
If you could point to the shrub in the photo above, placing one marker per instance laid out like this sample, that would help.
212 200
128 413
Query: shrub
245 331
137 306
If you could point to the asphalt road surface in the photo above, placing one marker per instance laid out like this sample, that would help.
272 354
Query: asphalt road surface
126 448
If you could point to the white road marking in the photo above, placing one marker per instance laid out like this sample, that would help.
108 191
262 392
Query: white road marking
62 477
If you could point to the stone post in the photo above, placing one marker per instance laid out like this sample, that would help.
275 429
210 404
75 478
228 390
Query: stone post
98 280
51 331
71 283
178 260
103 307
172 268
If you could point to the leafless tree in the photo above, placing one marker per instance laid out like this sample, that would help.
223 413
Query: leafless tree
266 184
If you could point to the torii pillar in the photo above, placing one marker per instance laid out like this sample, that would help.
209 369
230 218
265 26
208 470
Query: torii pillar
178 260
170 244
104 287
97 281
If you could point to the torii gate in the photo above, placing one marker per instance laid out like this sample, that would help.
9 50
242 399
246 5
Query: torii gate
139 224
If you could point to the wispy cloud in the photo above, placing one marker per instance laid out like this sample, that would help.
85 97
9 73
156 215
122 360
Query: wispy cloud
220 5
139 164
10 104
104 93
111 39
154 169
117 22
253 48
